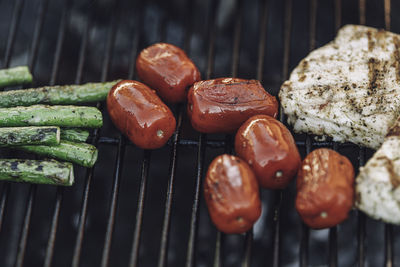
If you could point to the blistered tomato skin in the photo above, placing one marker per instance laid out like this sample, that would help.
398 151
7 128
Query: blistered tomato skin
325 188
139 113
232 194
168 70
269 148
222 105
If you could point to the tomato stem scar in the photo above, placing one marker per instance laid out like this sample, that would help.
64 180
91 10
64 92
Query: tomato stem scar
279 174
324 214
160 133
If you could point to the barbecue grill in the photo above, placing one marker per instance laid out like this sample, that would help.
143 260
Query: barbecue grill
146 208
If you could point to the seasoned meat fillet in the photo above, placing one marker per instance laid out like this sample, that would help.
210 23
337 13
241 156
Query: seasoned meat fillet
348 89
378 183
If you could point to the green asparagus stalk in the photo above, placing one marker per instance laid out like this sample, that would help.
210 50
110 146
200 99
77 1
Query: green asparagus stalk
79 153
15 76
15 136
56 95
42 115
37 171
74 134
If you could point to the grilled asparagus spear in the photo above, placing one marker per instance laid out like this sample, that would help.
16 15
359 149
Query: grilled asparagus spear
43 135
43 115
79 153
37 171
74 134
15 76
56 95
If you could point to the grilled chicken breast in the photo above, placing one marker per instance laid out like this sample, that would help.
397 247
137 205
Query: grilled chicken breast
348 89
378 183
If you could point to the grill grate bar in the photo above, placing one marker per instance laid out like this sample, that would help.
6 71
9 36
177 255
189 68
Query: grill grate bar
333 246
201 146
4 197
119 159
308 143
217 143
389 255
387 14
53 228
162 259
191 255
263 38
60 190
247 249
361 221
90 172
168 203
248 242
338 14
114 202
361 227
16 17
190 258
139 213
285 71
32 191
362 8
37 33
146 158
25 227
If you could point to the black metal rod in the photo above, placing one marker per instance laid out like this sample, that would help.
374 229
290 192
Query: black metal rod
114 202
59 194
285 73
333 247
262 40
361 222
389 255
190 256
304 242
387 8
134 256
338 14
33 51
219 244
362 10
32 192
25 227
140 208
16 18
3 201
89 175
119 159
170 190
53 228
236 37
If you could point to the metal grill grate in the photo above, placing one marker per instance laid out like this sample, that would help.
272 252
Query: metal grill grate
99 40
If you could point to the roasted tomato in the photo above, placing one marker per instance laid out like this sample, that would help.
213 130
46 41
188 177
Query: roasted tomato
168 70
139 113
232 194
269 148
222 105
325 188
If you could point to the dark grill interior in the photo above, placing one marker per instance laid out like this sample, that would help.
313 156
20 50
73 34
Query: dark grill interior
146 208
